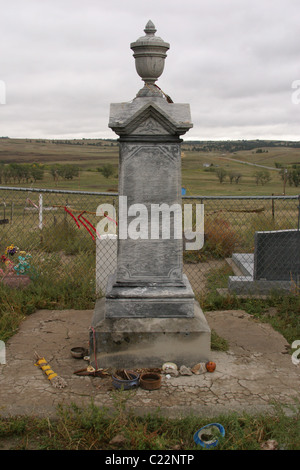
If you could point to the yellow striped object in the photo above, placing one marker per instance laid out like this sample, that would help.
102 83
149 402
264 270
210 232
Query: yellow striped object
56 381
42 363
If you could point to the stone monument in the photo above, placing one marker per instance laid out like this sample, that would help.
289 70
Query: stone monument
149 314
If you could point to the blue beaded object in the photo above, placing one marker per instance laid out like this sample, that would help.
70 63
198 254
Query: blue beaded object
214 441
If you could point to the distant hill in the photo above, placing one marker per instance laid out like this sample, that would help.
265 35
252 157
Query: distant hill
238 145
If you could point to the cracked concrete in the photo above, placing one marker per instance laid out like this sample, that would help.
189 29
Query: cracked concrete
256 371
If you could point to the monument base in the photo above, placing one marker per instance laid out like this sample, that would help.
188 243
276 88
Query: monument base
148 342
149 301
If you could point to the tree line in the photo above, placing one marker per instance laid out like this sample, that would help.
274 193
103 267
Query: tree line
32 172
233 176
235 146
21 172
290 175
261 176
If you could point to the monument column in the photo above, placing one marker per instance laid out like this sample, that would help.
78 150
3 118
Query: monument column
149 287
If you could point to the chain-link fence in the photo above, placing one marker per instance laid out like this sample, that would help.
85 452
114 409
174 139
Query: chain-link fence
251 244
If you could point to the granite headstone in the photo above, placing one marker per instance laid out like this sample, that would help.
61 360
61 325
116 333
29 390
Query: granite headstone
277 255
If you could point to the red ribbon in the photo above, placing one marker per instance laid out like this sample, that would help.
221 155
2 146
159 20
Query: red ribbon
69 212
89 223
79 218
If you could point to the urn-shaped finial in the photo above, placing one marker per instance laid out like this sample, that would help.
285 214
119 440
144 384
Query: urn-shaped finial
149 53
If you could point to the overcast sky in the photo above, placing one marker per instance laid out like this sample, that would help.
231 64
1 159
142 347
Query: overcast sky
62 62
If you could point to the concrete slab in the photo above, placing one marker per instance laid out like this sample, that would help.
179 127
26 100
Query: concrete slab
245 262
254 372
246 284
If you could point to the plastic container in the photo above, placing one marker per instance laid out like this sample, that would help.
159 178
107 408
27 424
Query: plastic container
126 384
213 442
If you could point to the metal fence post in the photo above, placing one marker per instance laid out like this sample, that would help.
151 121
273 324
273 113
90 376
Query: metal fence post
40 211
298 277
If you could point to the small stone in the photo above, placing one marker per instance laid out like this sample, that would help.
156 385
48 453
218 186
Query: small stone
176 447
169 365
199 368
118 440
185 370
171 372
271 444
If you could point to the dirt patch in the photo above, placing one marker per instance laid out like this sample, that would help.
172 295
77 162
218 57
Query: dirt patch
198 272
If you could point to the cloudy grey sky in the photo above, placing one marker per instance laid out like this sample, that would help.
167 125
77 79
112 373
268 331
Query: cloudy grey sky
234 62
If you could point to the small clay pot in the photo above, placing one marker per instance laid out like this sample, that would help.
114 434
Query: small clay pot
150 381
79 352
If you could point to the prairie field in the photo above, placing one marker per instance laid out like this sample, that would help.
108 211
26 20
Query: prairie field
200 164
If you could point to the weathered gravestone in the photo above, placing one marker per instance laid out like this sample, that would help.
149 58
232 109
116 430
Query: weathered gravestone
149 314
